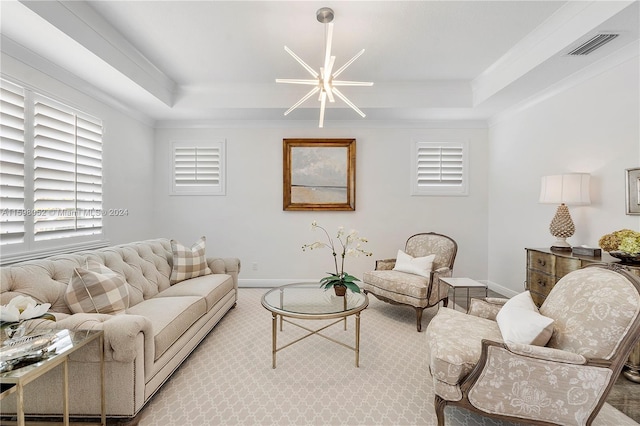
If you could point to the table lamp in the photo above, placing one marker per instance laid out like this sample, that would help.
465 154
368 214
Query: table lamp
568 189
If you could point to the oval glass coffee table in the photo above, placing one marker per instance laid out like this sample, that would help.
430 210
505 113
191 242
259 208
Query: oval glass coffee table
308 301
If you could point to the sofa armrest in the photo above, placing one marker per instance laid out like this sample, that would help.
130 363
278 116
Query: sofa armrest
385 264
487 307
120 333
226 265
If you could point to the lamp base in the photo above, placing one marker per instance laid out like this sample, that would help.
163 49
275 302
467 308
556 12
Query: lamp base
561 244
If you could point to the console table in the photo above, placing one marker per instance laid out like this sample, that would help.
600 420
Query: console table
545 267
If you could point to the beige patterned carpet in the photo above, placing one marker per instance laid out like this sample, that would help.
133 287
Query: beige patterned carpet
228 379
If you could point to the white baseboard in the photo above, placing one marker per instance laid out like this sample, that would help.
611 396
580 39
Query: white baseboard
277 282
507 292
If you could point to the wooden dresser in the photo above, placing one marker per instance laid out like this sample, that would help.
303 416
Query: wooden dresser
545 267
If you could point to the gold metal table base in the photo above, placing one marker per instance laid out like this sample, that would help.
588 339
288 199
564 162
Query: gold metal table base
48 365
312 332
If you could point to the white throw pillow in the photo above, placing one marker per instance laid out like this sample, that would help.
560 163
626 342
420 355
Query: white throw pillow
520 322
414 265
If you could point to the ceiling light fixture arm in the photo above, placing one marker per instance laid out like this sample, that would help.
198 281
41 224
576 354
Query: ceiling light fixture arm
325 80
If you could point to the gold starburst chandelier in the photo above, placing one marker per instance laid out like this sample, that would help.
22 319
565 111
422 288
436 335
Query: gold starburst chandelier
325 82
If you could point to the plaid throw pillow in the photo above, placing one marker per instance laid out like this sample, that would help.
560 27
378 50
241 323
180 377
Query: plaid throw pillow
188 262
96 289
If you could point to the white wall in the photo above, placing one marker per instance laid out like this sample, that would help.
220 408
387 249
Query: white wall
128 156
592 127
249 222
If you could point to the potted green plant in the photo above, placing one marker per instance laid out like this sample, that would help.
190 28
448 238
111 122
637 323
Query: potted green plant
623 244
350 245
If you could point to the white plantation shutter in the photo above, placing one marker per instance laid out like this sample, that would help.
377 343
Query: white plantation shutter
12 224
440 168
198 168
67 172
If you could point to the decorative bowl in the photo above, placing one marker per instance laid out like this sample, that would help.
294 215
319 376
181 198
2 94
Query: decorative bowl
629 258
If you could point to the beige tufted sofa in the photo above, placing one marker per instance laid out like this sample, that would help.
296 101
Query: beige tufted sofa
143 346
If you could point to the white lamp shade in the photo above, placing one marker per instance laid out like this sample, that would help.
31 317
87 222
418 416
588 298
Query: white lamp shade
570 189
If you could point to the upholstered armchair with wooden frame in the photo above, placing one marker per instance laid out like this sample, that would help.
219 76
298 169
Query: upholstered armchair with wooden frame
417 291
596 324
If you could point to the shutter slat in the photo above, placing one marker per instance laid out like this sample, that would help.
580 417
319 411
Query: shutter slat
439 166
68 172
197 167
12 140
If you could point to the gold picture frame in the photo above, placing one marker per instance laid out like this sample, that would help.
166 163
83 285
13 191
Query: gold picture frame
633 191
319 174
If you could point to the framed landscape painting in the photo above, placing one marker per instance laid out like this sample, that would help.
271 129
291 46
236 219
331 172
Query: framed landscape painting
319 174
633 191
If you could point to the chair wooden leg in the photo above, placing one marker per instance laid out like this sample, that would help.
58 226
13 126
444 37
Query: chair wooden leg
419 319
439 405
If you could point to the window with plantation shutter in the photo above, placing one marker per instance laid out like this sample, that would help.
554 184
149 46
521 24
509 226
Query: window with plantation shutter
198 168
440 168
50 176
67 183
12 226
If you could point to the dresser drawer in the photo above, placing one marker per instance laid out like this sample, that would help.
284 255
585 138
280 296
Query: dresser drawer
539 283
564 265
538 298
542 262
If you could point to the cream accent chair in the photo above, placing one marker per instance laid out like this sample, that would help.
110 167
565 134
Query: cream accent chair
414 290
597 323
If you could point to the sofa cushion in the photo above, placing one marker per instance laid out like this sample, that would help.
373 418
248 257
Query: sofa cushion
211 287
414 265
188 262
453 355
95 288
171 317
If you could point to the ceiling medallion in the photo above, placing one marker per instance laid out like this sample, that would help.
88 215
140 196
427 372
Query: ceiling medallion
325 82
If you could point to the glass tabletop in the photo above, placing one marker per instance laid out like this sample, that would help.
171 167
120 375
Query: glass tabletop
61 342
309 300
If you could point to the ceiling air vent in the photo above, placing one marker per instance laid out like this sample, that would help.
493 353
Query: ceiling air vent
592 44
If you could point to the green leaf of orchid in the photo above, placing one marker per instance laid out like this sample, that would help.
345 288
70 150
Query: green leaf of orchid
353 287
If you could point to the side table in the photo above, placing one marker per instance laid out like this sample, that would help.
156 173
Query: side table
468 283
65 344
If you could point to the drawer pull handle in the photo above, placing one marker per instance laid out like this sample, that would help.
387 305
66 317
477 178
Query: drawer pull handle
542 283
541 262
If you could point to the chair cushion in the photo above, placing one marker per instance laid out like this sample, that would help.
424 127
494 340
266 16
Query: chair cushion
188 262
414 265
401 287
95 288
520 322
453 350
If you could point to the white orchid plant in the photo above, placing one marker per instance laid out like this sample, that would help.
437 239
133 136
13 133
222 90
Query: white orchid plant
350 245
22 308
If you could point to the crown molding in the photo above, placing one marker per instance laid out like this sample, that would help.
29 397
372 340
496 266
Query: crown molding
78 20
11 50
620 56
313 124
570 23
